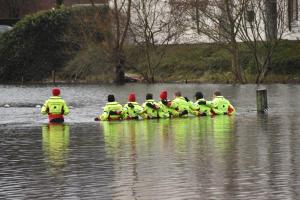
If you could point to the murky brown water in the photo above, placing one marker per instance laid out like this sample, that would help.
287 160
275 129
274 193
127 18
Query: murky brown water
247 156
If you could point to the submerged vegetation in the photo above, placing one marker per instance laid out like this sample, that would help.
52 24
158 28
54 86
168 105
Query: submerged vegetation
77 44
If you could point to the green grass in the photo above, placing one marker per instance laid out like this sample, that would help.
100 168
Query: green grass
211 63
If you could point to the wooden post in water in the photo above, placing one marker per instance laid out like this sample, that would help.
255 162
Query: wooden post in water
53 76
261 100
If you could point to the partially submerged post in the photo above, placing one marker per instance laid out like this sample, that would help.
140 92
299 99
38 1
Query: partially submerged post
261 100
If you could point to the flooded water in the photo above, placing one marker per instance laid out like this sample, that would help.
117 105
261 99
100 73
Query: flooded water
248 156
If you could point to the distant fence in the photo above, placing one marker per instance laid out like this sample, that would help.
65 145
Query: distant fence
9 22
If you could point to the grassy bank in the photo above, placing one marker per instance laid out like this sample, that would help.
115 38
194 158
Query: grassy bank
193 63
211 63
199 63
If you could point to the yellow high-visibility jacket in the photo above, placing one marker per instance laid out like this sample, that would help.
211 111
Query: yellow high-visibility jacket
55 106
149 112
111 111
201 109
131 112
221 106
166 111
180 105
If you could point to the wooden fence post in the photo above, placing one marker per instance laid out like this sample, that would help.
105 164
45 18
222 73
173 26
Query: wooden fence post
262 100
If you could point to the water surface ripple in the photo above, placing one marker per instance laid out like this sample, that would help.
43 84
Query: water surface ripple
247 156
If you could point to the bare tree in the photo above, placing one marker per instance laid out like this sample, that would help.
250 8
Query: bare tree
220 21
261 31
153 26
120 20
192 9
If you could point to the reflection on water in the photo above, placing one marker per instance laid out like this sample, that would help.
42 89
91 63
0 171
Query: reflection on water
195 158
159 158
55 146
223 128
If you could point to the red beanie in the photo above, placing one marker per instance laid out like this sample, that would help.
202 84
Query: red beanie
163 94
131 97
56 91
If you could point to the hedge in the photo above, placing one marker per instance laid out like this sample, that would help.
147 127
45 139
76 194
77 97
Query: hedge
38 44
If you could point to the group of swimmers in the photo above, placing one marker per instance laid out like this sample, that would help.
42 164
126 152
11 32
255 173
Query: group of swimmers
180 106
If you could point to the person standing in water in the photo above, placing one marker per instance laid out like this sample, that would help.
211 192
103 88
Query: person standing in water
55 107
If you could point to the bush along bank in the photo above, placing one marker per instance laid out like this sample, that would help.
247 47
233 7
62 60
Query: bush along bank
41 43
34 46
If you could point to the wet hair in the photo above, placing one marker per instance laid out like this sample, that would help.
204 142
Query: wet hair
110 98
199 95
149 96
217 93
177 94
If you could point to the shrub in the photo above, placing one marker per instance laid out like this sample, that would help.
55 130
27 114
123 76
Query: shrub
42 42
34 47
89 64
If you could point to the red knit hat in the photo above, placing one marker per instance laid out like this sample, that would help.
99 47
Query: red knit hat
131 97
56 91
163 94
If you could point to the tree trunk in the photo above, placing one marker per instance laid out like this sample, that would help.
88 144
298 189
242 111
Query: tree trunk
120 39
263 73
119 72
260 78
235 65
152 79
